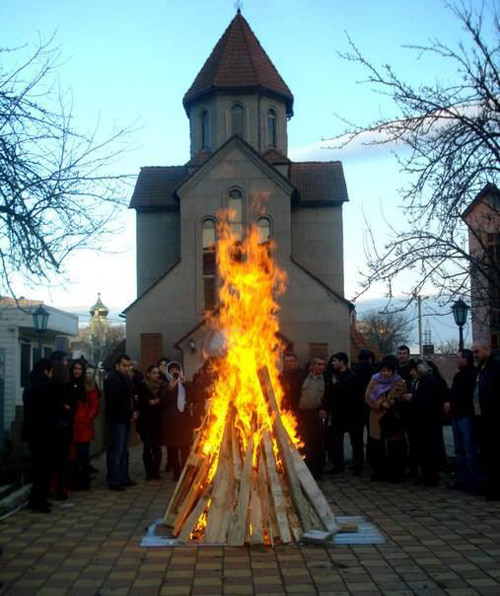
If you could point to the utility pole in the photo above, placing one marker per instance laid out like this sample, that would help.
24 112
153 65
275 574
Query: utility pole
419 316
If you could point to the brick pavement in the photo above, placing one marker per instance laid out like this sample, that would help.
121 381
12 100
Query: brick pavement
438 542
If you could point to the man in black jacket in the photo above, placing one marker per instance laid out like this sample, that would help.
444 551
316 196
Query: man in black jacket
487 393
118 394
38 430
347 413
465 423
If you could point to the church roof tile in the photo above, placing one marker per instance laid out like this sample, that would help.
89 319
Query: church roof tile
319 182
155 187
238 63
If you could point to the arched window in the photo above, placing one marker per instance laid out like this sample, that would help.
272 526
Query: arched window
264 229
204 130
235 204
272 136
209 264
238 120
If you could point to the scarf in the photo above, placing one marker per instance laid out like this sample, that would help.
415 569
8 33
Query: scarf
153 387
181 397
383 385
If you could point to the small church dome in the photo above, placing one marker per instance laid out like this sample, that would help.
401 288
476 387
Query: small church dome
99 308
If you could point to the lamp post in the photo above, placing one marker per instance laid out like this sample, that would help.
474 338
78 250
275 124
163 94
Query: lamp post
40 320
460 310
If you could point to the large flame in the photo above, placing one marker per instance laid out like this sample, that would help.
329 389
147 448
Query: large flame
250 282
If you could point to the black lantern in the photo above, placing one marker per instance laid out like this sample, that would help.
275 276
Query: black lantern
40 320
460 310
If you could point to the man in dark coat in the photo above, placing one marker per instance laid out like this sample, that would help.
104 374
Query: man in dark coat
465 423
487 397
38 431
427 398
346 406
364 369
291 380
312 413
408 416
119 398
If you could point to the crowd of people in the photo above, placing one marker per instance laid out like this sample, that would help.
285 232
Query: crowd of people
61 402
399 405
392 411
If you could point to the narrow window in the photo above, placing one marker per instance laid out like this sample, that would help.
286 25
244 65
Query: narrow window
235 204
208 243
204 130
238 121
271 128
264 230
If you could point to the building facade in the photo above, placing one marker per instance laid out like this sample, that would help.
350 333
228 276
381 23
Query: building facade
20 348
483 221
238 108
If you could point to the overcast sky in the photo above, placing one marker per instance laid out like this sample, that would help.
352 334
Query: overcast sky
132 61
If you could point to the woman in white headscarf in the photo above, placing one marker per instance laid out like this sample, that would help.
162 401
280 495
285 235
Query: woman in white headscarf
177 423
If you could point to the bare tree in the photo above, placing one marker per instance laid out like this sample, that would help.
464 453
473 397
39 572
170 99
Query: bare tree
386 330
450 131
447 347
57 189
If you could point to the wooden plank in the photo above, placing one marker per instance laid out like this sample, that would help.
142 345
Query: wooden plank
198 488
222 485
181 490
237 463
276 489
282 438
313 492
191 521
231 495
256 511
194 460
293 518
237 531
269 519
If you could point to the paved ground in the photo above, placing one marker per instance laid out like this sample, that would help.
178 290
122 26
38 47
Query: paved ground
438 542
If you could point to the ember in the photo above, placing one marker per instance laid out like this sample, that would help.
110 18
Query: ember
244 481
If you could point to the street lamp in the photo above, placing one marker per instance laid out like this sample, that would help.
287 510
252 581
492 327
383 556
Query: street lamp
40 320
460 310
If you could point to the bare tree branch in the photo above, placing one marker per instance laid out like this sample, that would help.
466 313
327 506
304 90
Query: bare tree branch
450 131
58 191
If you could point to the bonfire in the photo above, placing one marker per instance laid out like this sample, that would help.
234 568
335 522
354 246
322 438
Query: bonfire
245 481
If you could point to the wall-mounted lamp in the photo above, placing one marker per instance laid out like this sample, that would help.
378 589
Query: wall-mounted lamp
192 346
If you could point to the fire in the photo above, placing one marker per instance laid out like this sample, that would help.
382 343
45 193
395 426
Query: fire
247 316
245 481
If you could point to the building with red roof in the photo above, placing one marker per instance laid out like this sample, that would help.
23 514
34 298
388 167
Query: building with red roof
238 108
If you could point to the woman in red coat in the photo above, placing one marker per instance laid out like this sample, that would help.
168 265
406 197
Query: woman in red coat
87 409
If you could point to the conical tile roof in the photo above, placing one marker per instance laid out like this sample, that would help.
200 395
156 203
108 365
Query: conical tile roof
239 63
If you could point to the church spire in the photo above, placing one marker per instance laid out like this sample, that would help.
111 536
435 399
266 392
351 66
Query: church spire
237 64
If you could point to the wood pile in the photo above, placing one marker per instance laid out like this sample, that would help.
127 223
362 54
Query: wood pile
262 495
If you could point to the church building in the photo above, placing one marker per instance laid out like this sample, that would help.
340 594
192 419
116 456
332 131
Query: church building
238 108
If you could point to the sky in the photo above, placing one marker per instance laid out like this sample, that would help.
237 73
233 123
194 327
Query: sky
130 62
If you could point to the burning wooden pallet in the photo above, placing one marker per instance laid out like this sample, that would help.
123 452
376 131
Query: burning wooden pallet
260 493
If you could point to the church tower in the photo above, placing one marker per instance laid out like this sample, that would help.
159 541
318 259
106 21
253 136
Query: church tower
238 91
238 108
